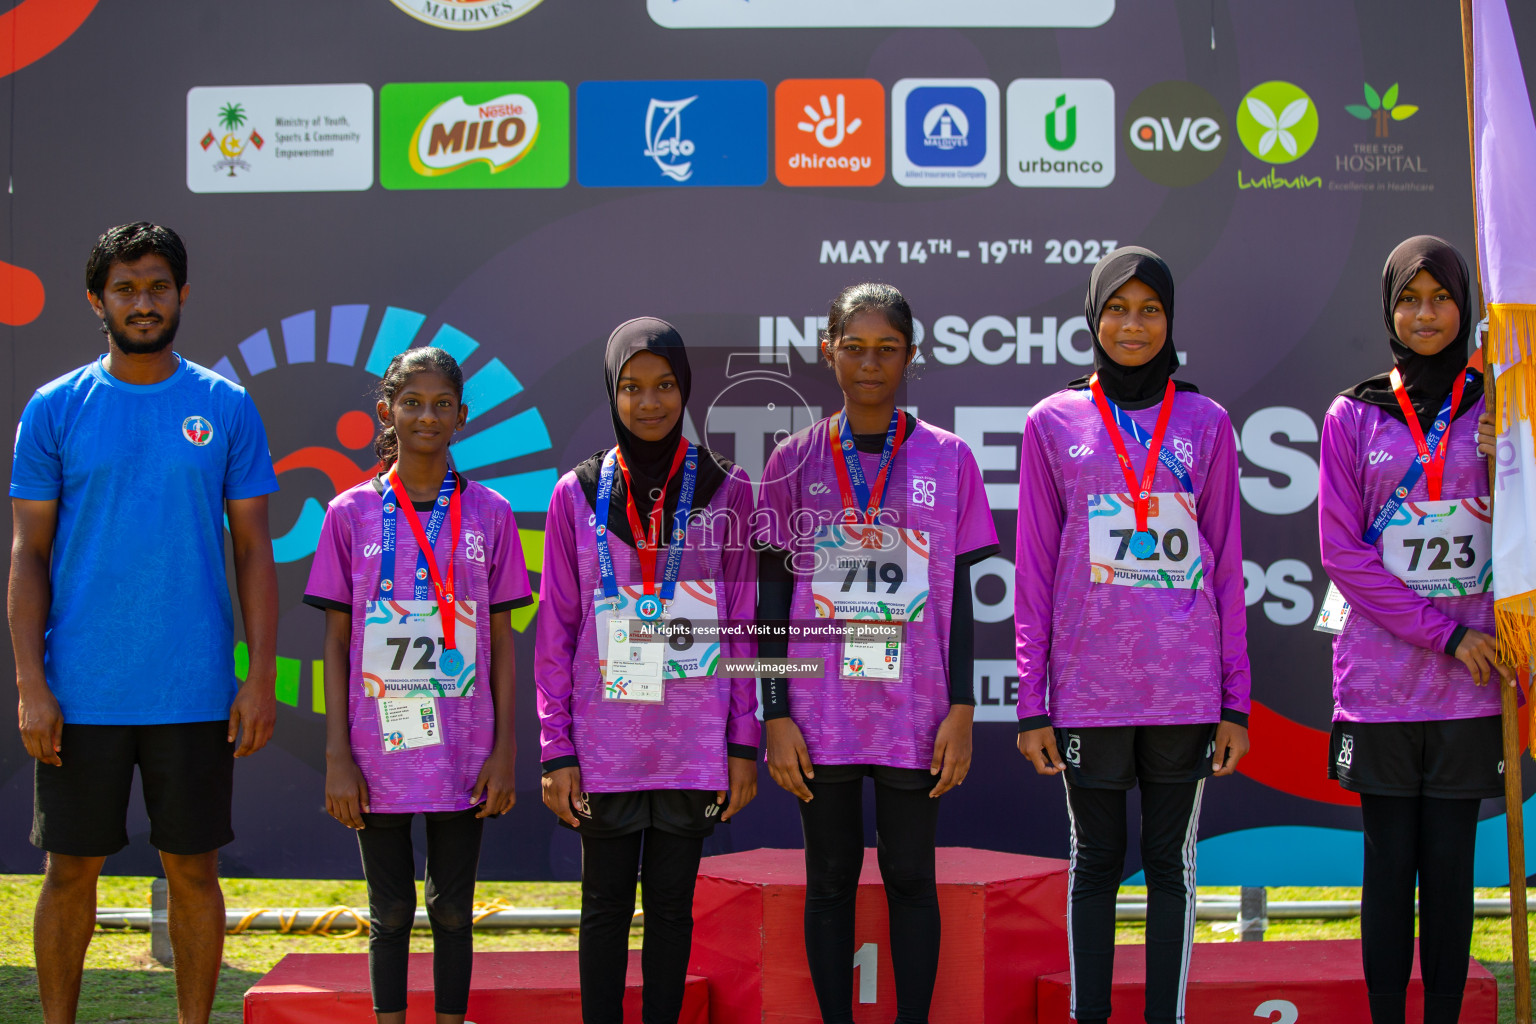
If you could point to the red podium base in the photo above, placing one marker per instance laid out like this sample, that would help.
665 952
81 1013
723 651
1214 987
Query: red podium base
1279 982
324 988
1004 926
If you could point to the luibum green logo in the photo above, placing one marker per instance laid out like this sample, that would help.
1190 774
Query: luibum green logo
1277 122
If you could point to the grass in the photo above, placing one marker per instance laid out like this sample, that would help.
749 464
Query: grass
123 983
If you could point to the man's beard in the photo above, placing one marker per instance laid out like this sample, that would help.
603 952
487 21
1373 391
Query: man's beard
135 347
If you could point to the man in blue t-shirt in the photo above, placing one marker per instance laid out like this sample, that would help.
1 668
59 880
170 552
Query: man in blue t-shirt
120 614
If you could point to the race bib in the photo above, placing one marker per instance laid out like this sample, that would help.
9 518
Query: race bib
1441 548
406 723
1174 563
404 654
690 627
870 572
1333 616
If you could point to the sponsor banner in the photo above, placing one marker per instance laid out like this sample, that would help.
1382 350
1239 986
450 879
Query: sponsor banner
466 15
1061 132
474 135
280 138
829 131
879 13
1176 133
945 132
672 133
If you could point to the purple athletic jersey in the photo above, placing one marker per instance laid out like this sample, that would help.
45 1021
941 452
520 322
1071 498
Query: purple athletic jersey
622 746
1099 654
1389 664
488 570
935 486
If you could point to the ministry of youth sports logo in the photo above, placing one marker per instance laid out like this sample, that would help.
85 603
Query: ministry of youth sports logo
197 430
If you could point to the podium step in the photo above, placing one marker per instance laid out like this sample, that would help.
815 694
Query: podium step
329 988
1279 982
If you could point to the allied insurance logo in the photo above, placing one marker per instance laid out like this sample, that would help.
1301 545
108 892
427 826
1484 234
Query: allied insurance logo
945 132
474 135
1277 122
1175 134
466 15
829 131
688 133
1061 132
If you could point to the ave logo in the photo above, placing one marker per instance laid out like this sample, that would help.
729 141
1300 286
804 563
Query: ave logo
829 131
1175 133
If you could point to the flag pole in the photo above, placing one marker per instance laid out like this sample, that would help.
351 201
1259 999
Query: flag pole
1514 795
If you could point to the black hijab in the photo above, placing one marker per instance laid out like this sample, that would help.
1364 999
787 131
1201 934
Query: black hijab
1427 379
1131 387
648 461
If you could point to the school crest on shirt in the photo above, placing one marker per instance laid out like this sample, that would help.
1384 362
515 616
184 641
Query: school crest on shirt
197 430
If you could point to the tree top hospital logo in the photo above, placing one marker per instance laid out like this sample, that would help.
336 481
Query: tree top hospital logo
466 15
1277 122
1174 133
945 132
672 133
829 131
436 135
197 430
1061 132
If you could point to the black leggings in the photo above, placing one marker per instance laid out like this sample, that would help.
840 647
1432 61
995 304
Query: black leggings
1434 840
389 865
667 872
906 827
1169 813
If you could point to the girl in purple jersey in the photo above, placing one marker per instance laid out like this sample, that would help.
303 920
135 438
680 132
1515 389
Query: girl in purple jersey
897 710
1405 530
645 743
1131 637
416 570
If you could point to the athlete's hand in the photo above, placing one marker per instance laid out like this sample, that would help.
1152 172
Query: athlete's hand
346 791
1486 435
1479 652
562 791
1039 745
41 723
789 760
252 715
1231 746
743 786
952 749
496 782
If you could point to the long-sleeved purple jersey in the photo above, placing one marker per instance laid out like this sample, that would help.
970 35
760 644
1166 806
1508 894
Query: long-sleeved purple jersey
622 746
1102 653
1389 663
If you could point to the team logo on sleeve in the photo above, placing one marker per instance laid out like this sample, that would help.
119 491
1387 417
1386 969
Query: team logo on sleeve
197 430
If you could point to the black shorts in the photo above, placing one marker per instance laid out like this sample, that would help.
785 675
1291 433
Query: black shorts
884 774
187 770
1452 759
691 813
1119 756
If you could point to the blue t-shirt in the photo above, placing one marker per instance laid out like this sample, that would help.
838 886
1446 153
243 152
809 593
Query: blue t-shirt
140 630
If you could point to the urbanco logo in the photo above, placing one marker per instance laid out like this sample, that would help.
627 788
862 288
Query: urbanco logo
1381 107
455 135
1174 133
1061 132
1277 122
312 376
829 131
466 15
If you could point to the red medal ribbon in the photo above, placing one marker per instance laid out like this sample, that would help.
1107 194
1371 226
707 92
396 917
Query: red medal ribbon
1434 465
647 543
1141 496
851 510
442 584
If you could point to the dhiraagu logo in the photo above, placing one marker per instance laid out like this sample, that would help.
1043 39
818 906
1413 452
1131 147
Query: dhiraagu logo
474 135
318 369
1277 122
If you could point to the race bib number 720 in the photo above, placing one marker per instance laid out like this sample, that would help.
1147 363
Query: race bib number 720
1174 562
